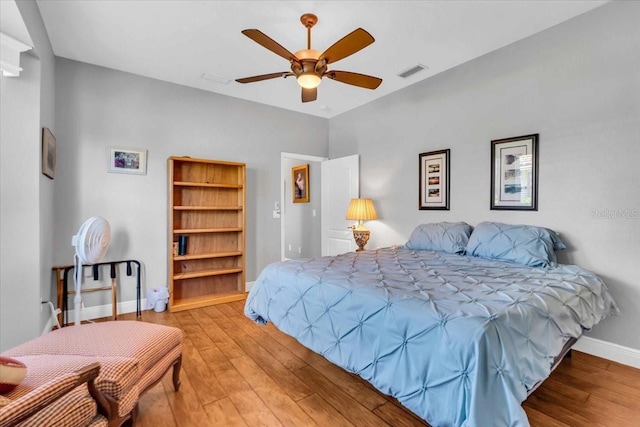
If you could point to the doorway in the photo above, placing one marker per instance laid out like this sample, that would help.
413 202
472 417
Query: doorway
318 228
300 223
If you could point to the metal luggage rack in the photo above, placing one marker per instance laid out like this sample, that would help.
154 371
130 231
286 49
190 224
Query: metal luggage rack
62 275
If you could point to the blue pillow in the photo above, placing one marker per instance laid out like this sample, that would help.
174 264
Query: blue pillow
450 237
523 244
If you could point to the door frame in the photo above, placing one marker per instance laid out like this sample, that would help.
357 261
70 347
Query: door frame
284 191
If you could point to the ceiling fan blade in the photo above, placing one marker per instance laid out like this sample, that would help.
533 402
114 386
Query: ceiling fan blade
267 42
355 79
348 45
264 77
309 95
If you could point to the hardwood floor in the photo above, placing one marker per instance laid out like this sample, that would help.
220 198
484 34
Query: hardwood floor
236 373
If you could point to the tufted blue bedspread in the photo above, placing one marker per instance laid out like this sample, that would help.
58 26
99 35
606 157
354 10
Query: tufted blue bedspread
458 340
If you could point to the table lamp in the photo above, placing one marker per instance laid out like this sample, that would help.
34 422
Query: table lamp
361 210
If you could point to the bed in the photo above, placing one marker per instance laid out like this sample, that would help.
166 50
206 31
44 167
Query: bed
449 324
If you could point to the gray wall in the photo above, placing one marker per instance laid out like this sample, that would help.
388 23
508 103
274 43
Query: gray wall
44 52
578 86
19 210
98 107
26 212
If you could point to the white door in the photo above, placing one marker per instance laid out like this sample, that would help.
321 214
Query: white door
340 183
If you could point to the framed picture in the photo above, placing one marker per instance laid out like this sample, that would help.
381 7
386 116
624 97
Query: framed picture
514 173
300 183
127 160
48 153
433 192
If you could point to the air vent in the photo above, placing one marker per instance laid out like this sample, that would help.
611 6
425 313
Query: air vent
411 71
215 78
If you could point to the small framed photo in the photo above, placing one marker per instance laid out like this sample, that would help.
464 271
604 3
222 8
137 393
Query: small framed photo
433 187
300 183
48 153
127 160
514 173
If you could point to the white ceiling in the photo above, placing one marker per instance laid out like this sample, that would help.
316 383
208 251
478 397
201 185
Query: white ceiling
11 22
180 40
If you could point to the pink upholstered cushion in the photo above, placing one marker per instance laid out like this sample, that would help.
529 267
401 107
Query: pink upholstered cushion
74 409
43 369
117 375
145 342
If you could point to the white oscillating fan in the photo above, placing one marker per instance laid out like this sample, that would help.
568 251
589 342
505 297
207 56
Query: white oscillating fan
91 242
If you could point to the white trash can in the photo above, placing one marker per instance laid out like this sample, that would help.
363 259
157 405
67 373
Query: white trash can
160 306
157 299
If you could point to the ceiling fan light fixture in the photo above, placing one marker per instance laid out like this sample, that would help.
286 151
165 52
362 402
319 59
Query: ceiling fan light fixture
309 80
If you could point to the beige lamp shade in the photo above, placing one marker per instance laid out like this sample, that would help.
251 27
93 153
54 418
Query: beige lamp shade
361 210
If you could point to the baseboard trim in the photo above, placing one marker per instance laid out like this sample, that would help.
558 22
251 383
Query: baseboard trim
610 351
100 311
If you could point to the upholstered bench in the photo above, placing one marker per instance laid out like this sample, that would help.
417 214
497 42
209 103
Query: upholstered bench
133 356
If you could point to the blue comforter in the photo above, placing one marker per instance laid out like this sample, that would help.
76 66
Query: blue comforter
458 340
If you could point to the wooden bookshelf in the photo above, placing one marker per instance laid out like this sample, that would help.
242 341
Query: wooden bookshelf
207 205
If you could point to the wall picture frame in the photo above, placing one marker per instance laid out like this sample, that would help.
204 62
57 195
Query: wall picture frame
434 180
514 173
49 156
300 183
127 160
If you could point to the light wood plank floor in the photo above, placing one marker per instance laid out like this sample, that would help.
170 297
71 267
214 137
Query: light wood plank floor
236 373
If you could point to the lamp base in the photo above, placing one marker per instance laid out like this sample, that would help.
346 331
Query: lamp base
361 237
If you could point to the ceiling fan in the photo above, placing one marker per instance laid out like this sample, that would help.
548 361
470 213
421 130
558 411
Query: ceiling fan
309 66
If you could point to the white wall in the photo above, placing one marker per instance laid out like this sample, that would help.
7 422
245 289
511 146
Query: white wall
578 86
98 107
